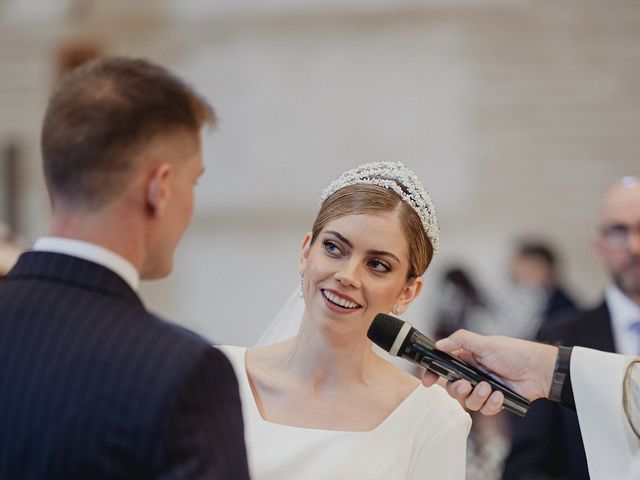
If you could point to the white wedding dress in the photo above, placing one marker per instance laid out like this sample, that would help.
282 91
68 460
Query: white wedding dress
424 437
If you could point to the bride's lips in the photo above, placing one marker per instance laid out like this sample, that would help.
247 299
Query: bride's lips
339 302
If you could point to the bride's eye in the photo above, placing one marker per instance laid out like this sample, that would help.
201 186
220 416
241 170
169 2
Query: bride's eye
379 266
331 247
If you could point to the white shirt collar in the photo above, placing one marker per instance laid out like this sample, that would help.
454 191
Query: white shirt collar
624 313
93 253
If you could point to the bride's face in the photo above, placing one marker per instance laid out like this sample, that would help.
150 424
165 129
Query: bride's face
355 269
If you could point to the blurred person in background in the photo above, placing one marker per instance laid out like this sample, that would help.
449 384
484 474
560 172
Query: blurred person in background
458 298
547 443
532 296
460 302
535 265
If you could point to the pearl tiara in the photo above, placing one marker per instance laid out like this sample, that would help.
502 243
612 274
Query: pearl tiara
397 177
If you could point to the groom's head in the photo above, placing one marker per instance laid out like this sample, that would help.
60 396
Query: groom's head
123 135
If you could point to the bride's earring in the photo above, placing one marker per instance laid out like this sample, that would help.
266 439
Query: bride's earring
396 310
301 291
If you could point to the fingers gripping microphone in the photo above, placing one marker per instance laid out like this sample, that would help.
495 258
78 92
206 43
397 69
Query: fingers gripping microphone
400 339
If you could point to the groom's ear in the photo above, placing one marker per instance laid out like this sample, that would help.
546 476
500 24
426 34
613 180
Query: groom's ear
305 248
157 189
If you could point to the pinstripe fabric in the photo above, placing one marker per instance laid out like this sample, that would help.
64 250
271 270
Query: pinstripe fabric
92 386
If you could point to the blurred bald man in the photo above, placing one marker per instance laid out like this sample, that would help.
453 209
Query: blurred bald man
548 442
618 242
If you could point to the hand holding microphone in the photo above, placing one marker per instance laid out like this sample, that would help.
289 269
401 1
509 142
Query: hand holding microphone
526 366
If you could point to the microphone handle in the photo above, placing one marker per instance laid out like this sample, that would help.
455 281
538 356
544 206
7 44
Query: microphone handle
452 368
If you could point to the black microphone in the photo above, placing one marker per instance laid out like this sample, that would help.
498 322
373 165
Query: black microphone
400 339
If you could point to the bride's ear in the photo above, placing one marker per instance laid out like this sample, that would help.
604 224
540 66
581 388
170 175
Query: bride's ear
411 290
304 251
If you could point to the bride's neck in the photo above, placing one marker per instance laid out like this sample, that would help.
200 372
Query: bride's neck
326 360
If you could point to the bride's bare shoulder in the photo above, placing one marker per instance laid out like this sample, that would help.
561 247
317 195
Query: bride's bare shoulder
269 356
263 364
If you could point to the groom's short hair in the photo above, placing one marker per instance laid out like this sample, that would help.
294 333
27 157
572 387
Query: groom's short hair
102 115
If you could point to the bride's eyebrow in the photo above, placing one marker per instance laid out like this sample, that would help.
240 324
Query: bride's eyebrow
380 253
340 237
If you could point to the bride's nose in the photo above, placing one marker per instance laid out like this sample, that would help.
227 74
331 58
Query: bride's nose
349 275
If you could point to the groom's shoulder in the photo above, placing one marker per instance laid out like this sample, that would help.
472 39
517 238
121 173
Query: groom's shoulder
169 335
182 347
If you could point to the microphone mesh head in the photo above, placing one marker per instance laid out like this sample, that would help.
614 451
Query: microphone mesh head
383 330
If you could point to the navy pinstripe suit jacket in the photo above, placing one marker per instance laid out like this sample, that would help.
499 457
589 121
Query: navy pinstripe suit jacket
92 386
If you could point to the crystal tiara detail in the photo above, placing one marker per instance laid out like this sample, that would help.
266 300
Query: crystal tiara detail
397 177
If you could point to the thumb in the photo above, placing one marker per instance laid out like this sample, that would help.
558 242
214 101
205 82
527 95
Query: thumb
462 339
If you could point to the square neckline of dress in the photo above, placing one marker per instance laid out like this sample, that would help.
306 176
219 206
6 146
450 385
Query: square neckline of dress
246 385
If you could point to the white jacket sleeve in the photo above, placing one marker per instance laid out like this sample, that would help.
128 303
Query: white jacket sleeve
444 455
612 448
